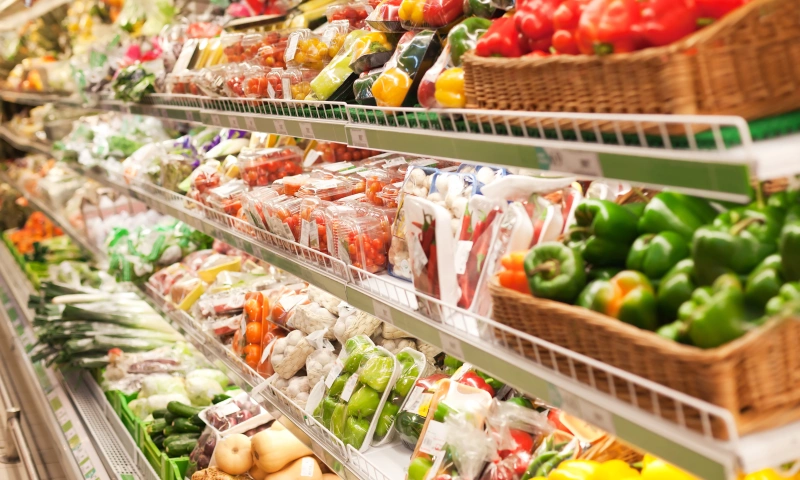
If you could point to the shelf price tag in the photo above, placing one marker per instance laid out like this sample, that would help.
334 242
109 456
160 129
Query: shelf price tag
382 311
451 345
570 161
233 122
189 115
583 409
215 120
250 123
359 138
280 127
307 130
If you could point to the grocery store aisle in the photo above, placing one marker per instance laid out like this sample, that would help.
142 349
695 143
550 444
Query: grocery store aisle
40 442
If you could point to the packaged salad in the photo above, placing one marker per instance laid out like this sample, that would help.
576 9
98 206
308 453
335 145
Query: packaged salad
397 85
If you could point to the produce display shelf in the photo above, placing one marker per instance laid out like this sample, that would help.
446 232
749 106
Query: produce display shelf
82 421
382 463
21 143
711 156
637 414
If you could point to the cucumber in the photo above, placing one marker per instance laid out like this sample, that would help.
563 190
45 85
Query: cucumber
220 397
180 437
196 420
170 430
180 448
170 417
158 440
183 425
183 410
159 413
157 425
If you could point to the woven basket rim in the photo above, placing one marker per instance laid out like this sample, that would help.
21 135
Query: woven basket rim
691 41
690 352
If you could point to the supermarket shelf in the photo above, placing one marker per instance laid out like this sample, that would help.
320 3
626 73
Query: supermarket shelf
80 419
58 219
674 426
383 463
21 143
711 156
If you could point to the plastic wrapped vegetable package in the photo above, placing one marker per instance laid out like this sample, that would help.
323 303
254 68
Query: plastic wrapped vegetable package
261 167
296 388
312 317
411 419
289 354
310 50
352 322
353 12
372 50
386 17
433 14
335 81
415 53
412 367
241 412
319 363
354 391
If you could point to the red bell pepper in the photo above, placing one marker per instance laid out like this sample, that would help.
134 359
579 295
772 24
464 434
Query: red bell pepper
565 22
667 21
523 443
610 26
438 13
534 18
501 40
718 8
473 380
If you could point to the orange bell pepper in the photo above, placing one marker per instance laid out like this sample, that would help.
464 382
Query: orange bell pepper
513 277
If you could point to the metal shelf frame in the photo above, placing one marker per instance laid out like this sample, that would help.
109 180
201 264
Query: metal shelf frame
710 156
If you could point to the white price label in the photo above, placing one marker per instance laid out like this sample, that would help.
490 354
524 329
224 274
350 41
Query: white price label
312 158
250 123
582 409
434 439
358 138
215 120
451 345
280 127
571 161
307 130
334 372
349 386
462 255
233 122
307 467
189 115
382 311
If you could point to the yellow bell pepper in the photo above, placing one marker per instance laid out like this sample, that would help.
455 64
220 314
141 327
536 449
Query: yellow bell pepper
391 87
574 470
614 470
450 88
657 469
767 474
412 11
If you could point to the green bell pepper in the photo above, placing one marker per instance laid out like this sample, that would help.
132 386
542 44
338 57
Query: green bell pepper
521 401
555 272
409 427
736 242
764 282
338 420
443 410
675 288
715 315
327 406
385 420
490 380
606 230
419 467
656 254
628 297
784 200
788 293
675 331
451 364
377 371
601 273
338 385
405 383
789 245
355 431
356 348
464 36
675 212
364 402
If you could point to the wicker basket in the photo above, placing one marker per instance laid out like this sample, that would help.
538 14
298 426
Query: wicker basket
756 377
610 448
747 64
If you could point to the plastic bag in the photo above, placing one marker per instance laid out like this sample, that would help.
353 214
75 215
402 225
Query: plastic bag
352 322
415 53
386 17
372 50
289 354
319 363
312 317
479 229
412 367
334 82
422 14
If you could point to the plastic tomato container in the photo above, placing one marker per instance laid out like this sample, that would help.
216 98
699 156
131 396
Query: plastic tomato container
234 80
389 194
354 13
256 82
328 190
306 49
340 152
226 201
272 53
252 205
312 229
333 214
283 217
251 43
296 83
178 83
263 166
206 177
362 243
232 48
376 180
291 185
